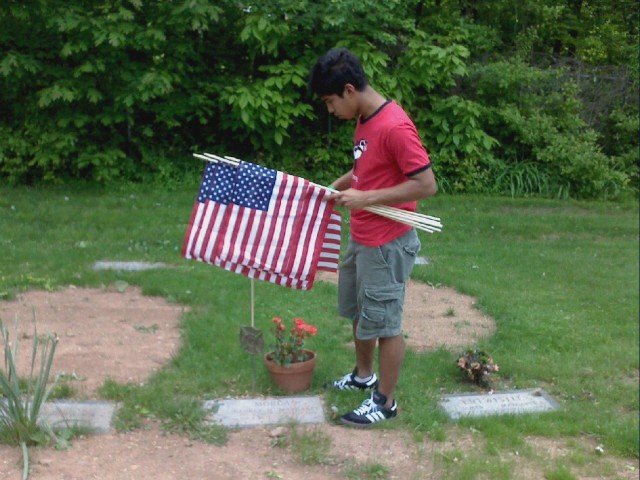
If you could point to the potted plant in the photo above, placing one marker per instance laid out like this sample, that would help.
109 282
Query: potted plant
289 363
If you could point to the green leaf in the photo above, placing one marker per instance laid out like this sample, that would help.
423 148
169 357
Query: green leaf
245 117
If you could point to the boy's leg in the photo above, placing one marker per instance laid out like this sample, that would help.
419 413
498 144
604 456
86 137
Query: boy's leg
348 307
381 279
400 256
365 354
390 358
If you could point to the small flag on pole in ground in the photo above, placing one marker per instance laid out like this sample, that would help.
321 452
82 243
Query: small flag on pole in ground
263 224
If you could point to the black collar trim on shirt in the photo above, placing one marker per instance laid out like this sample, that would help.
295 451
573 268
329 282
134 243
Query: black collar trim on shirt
364 120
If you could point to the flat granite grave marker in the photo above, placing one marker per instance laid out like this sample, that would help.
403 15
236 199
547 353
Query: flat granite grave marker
252 412
127 266
423 261
95 415
498 403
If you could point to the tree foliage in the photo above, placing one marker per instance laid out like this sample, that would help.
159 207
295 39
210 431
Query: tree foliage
508 95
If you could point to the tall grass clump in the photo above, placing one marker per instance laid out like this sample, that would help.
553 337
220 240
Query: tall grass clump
21 402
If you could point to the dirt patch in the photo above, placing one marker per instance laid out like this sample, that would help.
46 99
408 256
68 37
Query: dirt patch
441 317
127 336
105 333
437 317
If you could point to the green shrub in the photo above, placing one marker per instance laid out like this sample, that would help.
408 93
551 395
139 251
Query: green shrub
536 119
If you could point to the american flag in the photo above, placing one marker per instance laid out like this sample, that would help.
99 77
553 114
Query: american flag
263 224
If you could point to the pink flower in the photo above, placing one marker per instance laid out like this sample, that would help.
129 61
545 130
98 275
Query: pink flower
290 349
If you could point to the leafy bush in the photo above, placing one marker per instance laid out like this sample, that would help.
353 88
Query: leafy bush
265 110
130 89
461 148
621 141
535 118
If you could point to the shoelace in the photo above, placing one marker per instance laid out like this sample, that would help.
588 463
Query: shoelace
344 380
367 407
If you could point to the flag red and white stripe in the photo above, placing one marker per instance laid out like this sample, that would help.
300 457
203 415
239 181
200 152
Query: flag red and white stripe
263 224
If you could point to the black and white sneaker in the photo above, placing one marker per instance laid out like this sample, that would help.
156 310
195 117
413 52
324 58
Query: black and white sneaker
371 411
349 382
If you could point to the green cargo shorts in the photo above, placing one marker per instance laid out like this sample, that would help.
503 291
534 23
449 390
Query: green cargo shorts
371 285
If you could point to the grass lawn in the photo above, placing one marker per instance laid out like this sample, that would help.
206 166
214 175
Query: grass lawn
560 278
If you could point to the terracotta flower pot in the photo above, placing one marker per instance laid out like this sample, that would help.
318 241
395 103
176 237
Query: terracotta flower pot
295 377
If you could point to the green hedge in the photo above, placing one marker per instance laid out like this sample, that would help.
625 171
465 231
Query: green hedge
130 89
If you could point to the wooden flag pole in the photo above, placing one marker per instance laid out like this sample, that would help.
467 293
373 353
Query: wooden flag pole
423 222
253 302
251 338
253 326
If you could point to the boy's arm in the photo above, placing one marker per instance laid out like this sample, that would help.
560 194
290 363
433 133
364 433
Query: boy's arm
342 183
421 185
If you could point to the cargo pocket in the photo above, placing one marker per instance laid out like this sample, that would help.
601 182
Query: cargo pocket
413 248
382 310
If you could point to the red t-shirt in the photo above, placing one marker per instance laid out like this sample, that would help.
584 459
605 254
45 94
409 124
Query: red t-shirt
387 149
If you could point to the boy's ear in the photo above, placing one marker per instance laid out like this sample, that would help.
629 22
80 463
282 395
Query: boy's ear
349 89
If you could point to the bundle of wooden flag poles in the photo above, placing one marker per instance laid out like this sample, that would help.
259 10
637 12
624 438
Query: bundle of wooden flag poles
269 225
420 221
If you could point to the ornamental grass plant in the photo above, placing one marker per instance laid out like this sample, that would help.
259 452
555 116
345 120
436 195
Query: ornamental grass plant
20 405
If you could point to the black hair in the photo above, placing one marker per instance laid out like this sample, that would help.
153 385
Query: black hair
334 70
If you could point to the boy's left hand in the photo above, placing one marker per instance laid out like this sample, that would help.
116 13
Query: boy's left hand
350 198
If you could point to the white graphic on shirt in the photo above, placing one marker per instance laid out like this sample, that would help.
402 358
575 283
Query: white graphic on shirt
359 149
